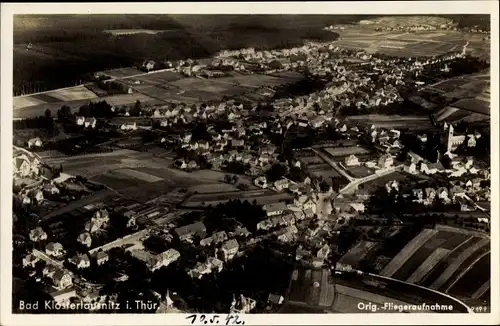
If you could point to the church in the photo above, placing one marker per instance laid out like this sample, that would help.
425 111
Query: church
452 140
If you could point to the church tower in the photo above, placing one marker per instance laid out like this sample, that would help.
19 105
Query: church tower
449 138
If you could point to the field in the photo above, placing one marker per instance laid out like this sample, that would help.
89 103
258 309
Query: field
121 72
72 94
344 151
141 176
360 171
357 253
473 280
392 121
398 261
84 49
429 263
116 32
261 196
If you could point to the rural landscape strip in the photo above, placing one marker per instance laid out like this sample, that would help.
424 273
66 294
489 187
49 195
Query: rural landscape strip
430 262
452 268
407 252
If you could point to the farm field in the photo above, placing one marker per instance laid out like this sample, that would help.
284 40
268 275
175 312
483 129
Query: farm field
428 264
120 72
475 282
72 94
359 171
156 78
397 262
456 263
344 151
436 241
357 253
392 121
371 186
259 196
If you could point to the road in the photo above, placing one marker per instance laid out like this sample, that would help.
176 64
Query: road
131 238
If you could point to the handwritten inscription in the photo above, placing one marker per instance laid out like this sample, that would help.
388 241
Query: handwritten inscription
200 319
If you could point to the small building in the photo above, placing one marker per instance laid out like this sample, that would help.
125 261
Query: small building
35 142
351 160
38 234
64 296
186 232
54 249
129 126
81 261
30 260
62 279
50 189
101 257
85 239
281 184
275 209
275 299
385 161
230 249
261 182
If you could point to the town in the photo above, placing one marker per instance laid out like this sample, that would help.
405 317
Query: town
323 166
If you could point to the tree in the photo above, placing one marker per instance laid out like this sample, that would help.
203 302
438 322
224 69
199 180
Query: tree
276 172
84 110
48 114
64 113
235 179
227 178
137 109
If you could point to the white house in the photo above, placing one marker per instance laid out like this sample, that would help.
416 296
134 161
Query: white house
230 249
38 234
385 161
129 126
85 239
281 184
351 160
34 142
54 249
275 208
81 261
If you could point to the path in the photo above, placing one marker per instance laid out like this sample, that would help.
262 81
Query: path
354 184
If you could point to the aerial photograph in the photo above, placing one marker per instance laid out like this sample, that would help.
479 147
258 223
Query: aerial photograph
251 164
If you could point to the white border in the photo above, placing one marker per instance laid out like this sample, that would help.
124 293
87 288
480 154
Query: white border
374 7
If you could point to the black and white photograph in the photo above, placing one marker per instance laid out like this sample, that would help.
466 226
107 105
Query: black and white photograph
223 166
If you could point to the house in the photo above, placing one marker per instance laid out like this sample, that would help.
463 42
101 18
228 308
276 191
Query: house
64 296
323 252
185 233
305 203
131 218
418 194
80 121
92 226
149 65
30 260
215 264
287 234
22 165
36 194
89 122
38 234
164 259
61 279
192 165
181 164
385 161
275 209
85 239
199 270
100 217
203 144
129 126
50 189
281 184
275 299
237 142
243 306
240 232
412 168
351 160
442 194
34 142
431 168
81 261
229 249
54 249
101 257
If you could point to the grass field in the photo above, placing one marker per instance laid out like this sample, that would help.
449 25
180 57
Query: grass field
343 151
145 177
397 262
360 171
72 94
26 101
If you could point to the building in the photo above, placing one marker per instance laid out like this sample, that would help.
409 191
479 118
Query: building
275 209
38 234
35 142
351 160
385 161
186 233
50 189
281 184
261 182
30 260
62 279
230 249
64 296
243 305
129 126
101 257
81 261
85 239
54 249
164 259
